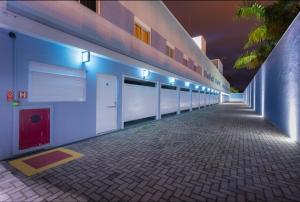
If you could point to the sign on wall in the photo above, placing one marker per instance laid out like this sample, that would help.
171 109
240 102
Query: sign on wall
10 95
23 94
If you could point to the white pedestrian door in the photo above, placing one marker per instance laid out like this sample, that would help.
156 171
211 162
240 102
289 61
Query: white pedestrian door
106 106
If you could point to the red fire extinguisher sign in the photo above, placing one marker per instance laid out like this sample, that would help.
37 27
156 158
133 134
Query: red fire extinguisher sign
10 96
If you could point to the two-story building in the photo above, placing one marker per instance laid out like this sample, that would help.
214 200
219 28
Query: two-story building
71 70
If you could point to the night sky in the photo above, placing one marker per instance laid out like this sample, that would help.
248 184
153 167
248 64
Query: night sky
225 36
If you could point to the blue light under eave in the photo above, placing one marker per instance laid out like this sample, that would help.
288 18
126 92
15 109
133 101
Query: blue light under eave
145 73
171 80
85 56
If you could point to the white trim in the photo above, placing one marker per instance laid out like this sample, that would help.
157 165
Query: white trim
158 95
178 100
191 100
122 102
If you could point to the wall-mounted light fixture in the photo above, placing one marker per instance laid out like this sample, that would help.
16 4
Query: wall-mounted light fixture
171 80
85 56
203 88
208 89
187 84
145 73
196 86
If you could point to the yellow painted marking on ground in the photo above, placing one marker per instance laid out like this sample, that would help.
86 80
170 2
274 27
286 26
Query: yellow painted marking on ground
29 171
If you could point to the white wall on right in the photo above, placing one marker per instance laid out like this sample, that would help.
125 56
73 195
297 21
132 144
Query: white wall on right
274 92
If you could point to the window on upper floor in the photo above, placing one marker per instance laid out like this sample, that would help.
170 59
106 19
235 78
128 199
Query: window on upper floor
94 5
170 50
91 4
185 60
195 68
141 31
200 69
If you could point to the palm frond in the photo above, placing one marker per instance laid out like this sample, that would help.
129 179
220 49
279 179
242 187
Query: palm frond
273 19
250 60
234 90
256 36
255 10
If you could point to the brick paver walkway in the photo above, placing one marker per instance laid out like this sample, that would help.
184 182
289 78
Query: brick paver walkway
220 153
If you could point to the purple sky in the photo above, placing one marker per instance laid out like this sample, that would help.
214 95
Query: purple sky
224 35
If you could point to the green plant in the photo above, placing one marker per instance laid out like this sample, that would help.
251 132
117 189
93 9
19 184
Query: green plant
234 90
272 20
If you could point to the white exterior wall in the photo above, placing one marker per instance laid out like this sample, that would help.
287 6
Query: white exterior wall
156 15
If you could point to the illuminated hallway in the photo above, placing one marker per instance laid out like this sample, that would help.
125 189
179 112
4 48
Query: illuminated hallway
225 152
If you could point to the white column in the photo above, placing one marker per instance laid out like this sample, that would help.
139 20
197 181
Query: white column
158 87
199 99
191 99
178 100
122 111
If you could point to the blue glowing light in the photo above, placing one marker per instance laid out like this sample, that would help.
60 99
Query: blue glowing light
145 73
171 80
85 56
187 84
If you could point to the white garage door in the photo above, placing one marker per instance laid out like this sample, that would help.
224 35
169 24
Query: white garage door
195 99
185 99
205 99
202 101
139 99
216 99
225 98
168 99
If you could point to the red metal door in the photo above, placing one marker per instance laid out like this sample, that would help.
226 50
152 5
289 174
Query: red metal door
34 129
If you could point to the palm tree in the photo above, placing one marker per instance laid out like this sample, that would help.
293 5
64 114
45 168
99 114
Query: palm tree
234 90
273 20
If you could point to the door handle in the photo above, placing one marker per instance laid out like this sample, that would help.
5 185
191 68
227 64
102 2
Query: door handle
113 106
